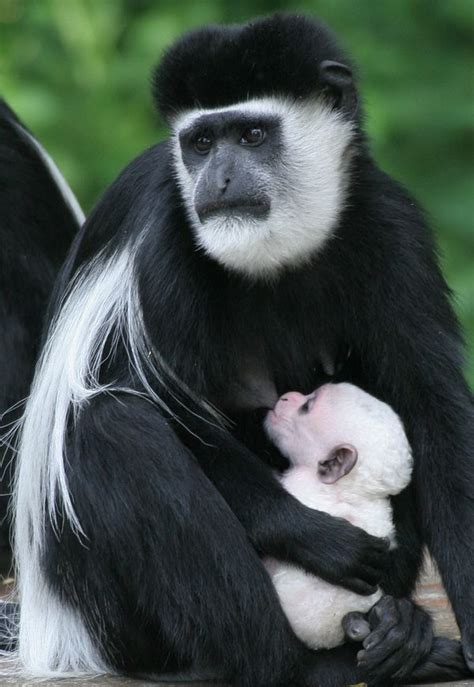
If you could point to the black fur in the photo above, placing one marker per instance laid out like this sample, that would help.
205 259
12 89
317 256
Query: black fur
220 65
36 230
176 511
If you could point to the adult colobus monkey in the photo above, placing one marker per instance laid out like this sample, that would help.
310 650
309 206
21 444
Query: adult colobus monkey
38 218
258 249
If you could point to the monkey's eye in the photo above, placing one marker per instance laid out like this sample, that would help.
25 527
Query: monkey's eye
304 408
202 144
253 136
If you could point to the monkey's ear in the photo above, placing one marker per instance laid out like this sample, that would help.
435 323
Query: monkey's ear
339 80
338 463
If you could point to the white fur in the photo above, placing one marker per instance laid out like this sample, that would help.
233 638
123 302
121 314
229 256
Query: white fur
314 607
53 640
58 178
103 298
307 195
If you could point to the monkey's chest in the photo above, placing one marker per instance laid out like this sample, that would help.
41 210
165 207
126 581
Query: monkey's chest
263 373
260 374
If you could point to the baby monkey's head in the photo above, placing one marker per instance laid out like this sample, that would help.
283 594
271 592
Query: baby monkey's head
343 432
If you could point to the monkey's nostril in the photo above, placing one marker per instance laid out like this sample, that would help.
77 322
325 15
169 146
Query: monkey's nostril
224 184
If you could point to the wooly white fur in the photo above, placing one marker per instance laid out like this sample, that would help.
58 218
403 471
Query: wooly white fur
101 303
307 194
314 607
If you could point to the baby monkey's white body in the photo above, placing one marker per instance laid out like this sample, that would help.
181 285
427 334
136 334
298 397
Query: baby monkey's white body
349 453
314 607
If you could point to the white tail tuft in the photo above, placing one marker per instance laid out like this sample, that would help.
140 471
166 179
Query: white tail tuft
101 308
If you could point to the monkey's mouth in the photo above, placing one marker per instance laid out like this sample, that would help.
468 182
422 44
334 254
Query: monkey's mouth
233 208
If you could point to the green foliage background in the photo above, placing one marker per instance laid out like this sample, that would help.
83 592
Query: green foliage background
77 72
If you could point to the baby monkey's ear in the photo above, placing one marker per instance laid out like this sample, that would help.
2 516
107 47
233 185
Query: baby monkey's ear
338 463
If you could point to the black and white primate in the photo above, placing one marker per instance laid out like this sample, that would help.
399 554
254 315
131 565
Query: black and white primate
258 249
348 453
38 218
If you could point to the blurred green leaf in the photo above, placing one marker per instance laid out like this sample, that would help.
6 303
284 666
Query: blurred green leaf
77 72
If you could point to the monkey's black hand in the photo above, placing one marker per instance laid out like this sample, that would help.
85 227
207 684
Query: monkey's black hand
401 636
328 547
349 557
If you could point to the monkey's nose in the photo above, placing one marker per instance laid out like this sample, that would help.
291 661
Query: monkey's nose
293 398
224 185
223 179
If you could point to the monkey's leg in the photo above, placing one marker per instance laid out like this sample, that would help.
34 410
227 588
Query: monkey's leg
167 579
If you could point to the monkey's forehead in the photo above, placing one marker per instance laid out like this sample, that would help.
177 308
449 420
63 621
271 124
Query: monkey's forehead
217 66
265 107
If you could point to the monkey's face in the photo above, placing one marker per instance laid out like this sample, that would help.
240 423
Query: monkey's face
337 426
263 182
307 429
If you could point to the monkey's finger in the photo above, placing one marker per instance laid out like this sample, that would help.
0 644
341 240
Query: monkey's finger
382 657
369 574
398 666
354 584
379 557
383 617
415 650
356 626
385 613
413 636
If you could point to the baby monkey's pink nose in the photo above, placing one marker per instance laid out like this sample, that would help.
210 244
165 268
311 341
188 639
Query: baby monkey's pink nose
293 398
288 404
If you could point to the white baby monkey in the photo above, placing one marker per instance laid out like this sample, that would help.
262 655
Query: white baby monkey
348 454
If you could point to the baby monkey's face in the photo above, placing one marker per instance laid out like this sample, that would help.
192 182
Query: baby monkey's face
309 430
337 427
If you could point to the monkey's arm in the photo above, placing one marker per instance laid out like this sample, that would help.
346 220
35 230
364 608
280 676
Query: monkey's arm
278 524
440 425
410 356
437 508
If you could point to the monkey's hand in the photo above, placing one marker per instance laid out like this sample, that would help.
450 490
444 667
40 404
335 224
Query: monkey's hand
328 547
401 637
444 662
